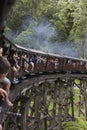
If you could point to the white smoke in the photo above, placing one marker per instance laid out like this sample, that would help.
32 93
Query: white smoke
41 36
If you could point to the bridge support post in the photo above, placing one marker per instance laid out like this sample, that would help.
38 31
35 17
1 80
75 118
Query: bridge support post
25 115
83 90
60 99
55 103
37 116
72 105
72 99
45 105
24 106
86 108
85 97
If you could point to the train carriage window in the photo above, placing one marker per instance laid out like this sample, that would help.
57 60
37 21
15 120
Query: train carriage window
81 62
68 61
13 48
56 63
77 63
86 65
6 45
74 63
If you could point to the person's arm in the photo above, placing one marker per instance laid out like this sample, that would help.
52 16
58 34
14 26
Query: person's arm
3 93
0 127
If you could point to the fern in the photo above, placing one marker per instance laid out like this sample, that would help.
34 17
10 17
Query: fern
72 126
75 125
82 123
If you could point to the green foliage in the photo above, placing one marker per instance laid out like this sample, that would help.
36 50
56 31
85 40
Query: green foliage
79 124
77 81
21 39
69 17
79 21
14 20
21 9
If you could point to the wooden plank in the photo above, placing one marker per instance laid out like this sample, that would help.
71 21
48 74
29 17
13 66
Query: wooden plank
60 101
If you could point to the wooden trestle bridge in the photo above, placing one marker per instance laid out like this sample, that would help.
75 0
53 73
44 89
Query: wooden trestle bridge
43 102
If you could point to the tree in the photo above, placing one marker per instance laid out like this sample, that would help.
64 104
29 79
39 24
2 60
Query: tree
79 21
67 16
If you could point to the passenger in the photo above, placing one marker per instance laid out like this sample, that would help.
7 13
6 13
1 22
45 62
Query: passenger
56 63
5 52
74 64
6 84
32 65
16 58
32 60
39 60
44 60
0 127
14 71
4 68
1 51
13 59
25 61
69 61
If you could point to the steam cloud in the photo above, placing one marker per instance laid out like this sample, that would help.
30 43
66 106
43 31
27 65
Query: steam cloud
40 36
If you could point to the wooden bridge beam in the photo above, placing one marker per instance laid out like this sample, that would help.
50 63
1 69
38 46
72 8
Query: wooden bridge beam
56 93
60 101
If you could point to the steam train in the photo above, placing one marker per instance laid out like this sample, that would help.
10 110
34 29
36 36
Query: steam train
47 62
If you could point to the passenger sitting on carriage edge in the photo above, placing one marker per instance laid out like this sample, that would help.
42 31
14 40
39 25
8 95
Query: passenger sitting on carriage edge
14 68
4 68
32 60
